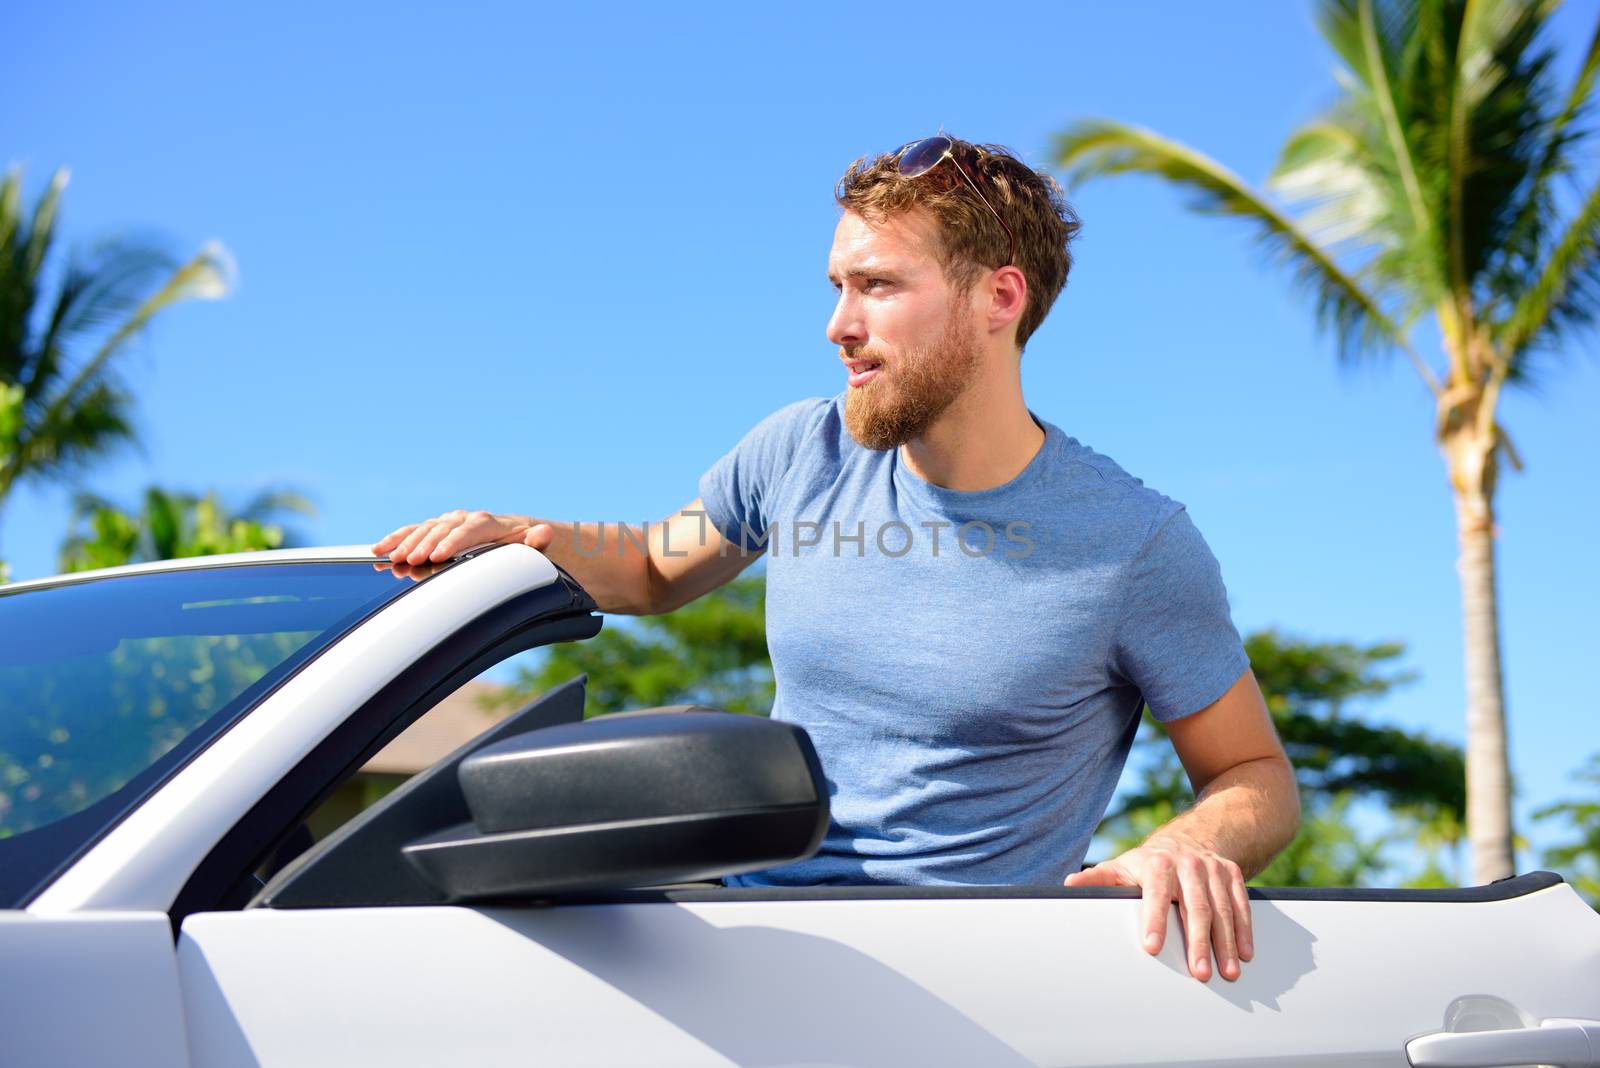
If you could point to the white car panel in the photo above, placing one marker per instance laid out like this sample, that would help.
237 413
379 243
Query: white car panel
146 859
1001 983
344 554
94 989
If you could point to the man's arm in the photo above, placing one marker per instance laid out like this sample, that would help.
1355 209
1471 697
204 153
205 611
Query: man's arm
625 569
1246 809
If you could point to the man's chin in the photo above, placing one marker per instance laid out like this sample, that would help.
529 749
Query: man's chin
874 424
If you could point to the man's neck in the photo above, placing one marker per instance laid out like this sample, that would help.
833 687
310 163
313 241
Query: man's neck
984 439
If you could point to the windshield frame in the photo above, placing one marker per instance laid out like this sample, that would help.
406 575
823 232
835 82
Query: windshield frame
328 554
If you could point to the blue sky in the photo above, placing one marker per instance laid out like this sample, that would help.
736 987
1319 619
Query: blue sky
557 260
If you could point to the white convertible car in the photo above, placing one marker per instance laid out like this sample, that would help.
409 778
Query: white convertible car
166 729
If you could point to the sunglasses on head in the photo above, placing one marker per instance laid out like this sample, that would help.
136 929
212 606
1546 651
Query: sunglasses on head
920 157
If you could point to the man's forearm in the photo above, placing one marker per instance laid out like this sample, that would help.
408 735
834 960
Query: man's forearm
1247 814
651 568
609 560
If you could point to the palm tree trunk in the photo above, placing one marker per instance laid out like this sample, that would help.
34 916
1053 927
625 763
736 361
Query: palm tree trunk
1488 766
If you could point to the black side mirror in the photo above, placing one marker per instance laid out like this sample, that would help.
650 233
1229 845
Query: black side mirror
626 800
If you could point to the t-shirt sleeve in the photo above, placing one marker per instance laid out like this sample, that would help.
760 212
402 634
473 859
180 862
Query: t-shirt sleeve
1175 640
738 490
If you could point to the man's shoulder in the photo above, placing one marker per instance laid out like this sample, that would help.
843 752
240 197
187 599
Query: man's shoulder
809 433
800 420
1096 483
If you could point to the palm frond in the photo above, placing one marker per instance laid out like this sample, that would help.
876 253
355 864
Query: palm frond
1542 277
1325 171
163 521
24 248
96 424
269 505
41 232
1561 140
1499 96
86 503
1582 85
15 298
1372 40
1093 148
205 277
1566 292
89 298
10 207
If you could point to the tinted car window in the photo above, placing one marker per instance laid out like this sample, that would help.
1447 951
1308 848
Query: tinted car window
107 686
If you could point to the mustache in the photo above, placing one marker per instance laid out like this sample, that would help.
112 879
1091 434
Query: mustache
862 352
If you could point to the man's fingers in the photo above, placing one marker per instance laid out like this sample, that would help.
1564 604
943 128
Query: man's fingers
1222 926
402 552
1197 916
391 539
428 548
1156 904
433 541
1099 875
423 551
539 536
463 535
1241 913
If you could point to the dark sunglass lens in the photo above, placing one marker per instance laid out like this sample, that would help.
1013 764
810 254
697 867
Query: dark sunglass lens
919 157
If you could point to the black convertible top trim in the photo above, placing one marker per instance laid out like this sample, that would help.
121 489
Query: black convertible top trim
1505 889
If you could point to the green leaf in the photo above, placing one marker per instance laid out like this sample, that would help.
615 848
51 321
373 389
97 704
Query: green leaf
1091 149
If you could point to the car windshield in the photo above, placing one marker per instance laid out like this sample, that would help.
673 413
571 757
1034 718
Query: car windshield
108 685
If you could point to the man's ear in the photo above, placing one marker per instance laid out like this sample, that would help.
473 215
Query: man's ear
1007 291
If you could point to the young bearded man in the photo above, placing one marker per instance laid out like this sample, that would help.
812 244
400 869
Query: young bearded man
966 608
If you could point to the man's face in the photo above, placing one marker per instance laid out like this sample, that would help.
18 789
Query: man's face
900 324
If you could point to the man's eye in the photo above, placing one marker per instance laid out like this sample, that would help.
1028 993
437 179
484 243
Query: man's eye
876 283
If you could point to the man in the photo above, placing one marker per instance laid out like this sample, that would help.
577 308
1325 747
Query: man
967 609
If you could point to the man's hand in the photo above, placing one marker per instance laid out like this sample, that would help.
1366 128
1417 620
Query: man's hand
1208 888
439 539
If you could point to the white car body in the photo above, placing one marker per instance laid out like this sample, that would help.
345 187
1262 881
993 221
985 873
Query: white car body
113 963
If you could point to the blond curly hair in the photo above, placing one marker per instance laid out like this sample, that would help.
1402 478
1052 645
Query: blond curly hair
972 243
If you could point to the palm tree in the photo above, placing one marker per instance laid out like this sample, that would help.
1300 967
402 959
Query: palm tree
171 525
63 329
1442 184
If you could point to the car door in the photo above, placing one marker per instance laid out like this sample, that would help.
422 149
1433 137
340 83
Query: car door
844 980
163 727
343 959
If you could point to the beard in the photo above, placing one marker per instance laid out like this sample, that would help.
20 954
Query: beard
911 391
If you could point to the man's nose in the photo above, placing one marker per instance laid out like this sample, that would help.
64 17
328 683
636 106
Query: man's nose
844 325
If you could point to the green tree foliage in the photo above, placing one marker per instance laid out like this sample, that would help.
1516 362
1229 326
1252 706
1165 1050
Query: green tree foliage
64 329
1446 182
1579 858
1339 759
171 525
712 651
1327 851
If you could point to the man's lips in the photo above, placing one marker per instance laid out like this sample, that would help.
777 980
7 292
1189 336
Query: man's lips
862 371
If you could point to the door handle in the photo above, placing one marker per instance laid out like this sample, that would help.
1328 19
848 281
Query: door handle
1560 1043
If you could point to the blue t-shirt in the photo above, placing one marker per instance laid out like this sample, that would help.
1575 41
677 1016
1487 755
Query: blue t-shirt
969 665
